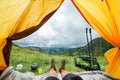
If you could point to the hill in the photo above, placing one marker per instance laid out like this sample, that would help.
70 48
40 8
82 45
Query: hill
27 57
99 47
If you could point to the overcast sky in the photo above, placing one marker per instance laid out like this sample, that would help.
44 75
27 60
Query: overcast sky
65 28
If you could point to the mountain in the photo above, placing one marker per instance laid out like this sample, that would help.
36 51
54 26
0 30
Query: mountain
99 47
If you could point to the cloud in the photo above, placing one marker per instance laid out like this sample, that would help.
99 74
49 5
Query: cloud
65 28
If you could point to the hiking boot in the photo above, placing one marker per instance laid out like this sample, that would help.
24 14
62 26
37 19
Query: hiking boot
53 64
62 66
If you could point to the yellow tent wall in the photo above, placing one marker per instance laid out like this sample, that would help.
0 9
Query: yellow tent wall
104 17
20 18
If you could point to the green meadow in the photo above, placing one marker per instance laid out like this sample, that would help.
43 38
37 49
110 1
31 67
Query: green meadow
27 57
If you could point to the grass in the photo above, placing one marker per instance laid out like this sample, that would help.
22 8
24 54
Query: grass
27 57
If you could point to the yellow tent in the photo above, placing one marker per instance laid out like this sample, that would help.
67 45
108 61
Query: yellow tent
20 18
104 17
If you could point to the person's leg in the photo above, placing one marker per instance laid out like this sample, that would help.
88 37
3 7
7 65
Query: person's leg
53 64
61 70
67 75
52 75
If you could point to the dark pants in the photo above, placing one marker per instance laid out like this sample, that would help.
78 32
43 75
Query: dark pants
51 78
69 76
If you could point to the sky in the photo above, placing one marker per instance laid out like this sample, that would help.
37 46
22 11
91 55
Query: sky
66 28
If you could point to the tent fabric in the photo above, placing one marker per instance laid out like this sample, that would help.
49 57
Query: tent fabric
104 17
20 18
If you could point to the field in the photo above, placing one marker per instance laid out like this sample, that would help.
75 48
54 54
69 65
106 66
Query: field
26 57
